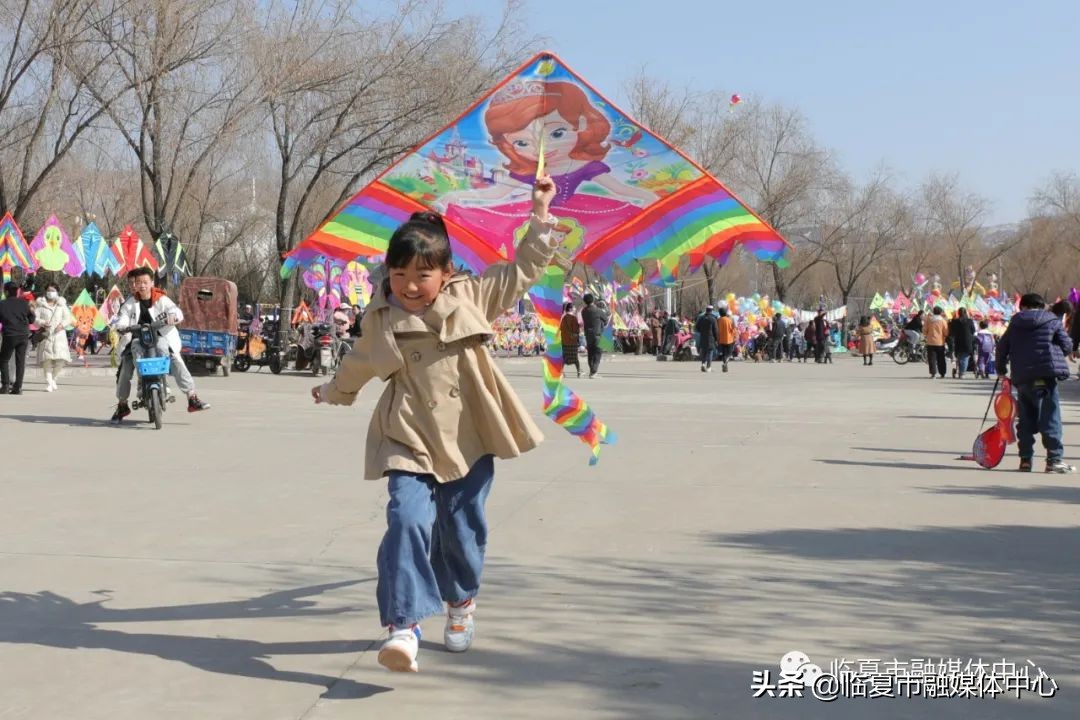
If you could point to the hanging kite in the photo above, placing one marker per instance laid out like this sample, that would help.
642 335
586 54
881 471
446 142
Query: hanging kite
88 319
110 306
53 250
302 314
96 256
629 204
14 252
172 258
355 284
133 252
324 278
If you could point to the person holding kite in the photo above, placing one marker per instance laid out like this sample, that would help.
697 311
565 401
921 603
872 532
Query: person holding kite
446 413
1036 344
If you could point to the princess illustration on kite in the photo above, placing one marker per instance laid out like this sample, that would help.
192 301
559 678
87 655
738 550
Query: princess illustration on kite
526 119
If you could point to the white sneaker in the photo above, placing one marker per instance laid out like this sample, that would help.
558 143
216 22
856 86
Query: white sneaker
460 627
399 652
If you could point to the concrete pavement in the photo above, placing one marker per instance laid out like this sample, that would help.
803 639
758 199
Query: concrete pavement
224 566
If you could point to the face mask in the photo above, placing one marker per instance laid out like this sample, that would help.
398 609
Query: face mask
50 294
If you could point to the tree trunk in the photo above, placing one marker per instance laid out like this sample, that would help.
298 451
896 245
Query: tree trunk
779 285
710 280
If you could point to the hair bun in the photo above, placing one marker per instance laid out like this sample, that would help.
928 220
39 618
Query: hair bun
428 216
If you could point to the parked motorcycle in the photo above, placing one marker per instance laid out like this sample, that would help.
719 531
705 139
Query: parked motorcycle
259 351
341 348
321 354
684 347
903 352
886 345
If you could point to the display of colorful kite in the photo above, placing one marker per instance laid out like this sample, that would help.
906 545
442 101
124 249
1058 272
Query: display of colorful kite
356 284
111 304
302 314
173 260
133 252
52 249
629 204
735 100
95 254
14 252
87 315
324 278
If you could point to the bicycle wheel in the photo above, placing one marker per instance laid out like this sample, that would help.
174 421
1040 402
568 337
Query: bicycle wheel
156 408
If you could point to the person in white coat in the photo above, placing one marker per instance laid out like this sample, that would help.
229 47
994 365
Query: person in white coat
146 305
51 315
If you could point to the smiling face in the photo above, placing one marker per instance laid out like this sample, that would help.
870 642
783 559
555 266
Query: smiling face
559 137
416 287
142 285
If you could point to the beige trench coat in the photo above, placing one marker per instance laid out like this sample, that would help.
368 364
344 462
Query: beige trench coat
446 404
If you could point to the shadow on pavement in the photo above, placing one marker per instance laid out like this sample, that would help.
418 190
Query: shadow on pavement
897 465
56 420
50 620
749 596
972 418
994 590
906 450
1046 493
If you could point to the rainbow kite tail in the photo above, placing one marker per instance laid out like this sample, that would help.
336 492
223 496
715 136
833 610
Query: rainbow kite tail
562 404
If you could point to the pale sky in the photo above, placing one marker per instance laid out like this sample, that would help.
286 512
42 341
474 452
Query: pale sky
990 90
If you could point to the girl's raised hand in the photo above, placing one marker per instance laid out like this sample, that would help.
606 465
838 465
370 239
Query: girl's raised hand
316 392
543 194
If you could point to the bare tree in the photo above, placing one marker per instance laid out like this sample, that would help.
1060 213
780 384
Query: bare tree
955 218
50 56
668 112
782 172
1060 196
192 91
1041 259
345 95
862 226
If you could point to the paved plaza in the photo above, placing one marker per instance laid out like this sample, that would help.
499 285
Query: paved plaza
224 567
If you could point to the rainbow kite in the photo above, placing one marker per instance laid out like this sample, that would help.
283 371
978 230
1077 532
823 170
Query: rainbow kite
53 250
630 206
13 250
561 404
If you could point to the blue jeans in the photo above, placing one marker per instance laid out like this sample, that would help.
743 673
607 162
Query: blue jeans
433 549
962 362
1039 411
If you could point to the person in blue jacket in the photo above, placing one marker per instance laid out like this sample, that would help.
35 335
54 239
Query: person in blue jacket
1036 345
